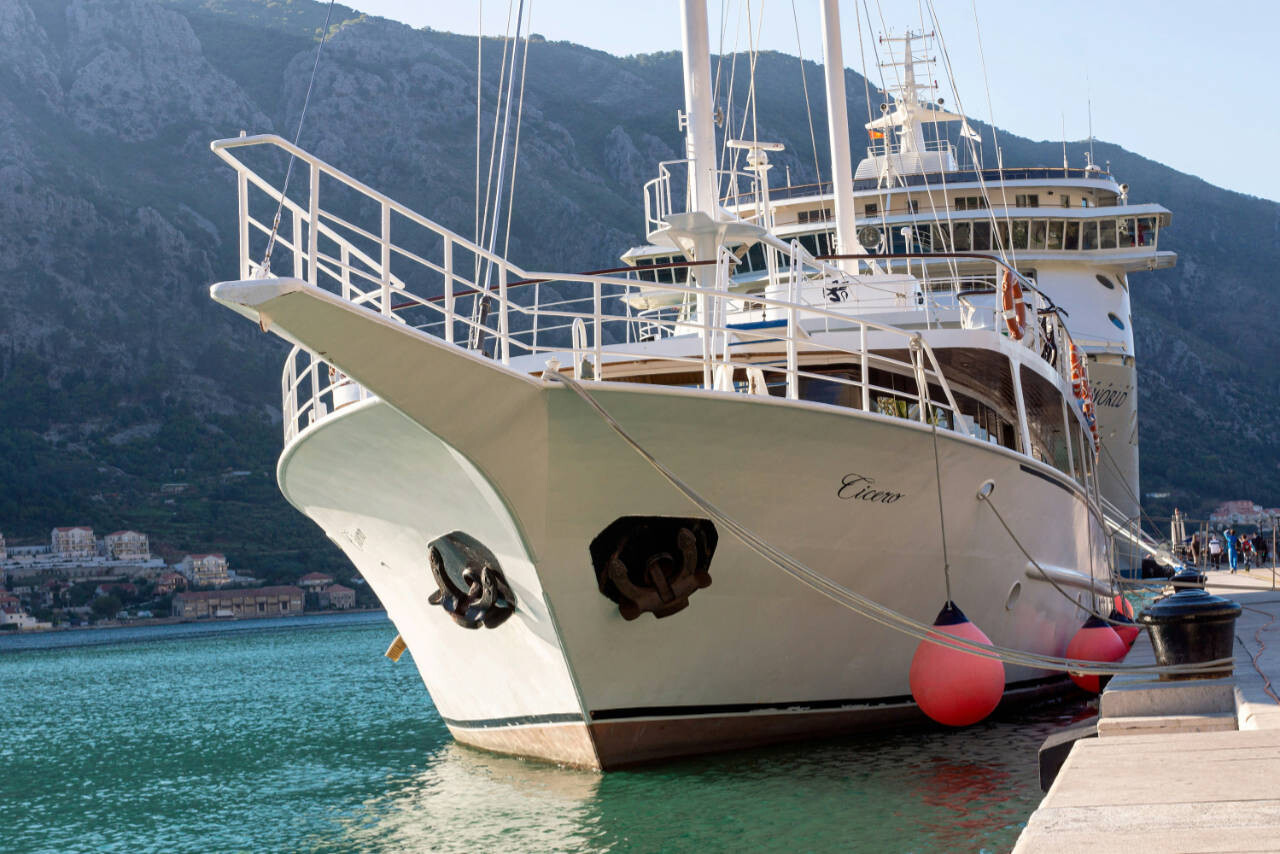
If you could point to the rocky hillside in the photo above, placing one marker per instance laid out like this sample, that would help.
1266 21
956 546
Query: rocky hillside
117 374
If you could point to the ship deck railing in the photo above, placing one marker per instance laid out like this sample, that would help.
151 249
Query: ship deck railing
389 259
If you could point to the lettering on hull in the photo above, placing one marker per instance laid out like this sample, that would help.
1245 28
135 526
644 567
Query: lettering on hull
860 487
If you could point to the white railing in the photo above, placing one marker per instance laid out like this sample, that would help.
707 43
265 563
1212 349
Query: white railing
384 257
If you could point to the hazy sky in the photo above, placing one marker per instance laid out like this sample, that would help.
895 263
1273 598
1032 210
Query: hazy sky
1168 80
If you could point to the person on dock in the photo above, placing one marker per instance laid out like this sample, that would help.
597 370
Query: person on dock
1194 549
1215 551
1245 544
1233 556
1260 547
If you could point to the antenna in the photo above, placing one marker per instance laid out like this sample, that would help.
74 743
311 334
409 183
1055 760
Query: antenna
1064 143
1089 93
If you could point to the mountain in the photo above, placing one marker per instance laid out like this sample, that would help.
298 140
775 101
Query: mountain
118 375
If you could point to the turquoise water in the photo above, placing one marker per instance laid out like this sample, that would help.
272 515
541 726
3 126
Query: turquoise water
297 735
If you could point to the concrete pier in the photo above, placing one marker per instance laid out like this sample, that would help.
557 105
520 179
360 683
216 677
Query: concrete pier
1185 766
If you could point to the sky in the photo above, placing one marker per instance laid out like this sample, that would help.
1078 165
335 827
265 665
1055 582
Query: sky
1169 80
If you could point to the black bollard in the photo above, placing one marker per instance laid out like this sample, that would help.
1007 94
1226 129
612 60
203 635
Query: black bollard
1186 577
1189 627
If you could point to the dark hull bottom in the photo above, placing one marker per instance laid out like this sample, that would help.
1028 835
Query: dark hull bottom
609 744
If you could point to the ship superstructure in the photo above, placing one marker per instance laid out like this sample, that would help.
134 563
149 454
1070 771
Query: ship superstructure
1072 231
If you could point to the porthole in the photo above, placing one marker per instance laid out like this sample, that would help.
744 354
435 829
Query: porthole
1105 282
1119 324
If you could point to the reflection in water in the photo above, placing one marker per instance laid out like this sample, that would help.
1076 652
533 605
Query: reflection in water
291 738
927 790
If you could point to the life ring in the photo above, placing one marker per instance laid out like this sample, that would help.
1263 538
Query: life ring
1078 381
1012 306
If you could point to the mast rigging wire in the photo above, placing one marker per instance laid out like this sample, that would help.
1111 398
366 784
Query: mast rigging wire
288 172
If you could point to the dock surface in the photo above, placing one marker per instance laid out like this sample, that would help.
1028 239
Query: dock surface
1186 766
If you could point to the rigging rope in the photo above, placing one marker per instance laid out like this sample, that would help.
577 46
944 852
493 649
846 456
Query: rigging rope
868 608
288 172
808 110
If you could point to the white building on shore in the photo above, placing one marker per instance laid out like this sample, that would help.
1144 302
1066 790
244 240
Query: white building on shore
73 543
4 554
204 570
127 545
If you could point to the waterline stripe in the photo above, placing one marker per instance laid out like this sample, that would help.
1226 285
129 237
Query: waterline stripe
798 706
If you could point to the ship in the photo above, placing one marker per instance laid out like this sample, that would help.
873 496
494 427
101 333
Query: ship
621 517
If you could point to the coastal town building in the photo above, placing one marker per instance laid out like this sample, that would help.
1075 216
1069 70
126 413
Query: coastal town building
205 570
73 543
4 554
249 602
127 545
314 581
170 582
1243 512
337 597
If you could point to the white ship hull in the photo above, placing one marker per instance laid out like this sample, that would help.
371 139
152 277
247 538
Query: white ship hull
535 475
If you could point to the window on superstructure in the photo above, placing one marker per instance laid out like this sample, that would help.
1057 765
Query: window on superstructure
1027 200
1071 236
1039 231
1146 231
1127 230
814 215
982 236
1089 235
1055 234
1021 230
970 203
871 209
1066 200
1107 240
913 205
961 233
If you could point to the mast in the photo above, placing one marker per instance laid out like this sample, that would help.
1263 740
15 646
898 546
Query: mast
838 126
700 132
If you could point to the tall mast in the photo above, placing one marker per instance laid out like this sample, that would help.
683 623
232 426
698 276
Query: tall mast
838 126
700 132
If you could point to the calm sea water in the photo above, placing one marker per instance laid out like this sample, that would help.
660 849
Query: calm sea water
297 735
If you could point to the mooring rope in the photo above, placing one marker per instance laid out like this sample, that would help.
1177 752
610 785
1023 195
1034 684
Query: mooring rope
986 498
856 602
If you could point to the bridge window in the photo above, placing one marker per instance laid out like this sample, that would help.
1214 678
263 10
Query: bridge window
1021 230
1071 235
1039 229
1055 234
1108 239
1146 231
1089 237
1127 232
982 236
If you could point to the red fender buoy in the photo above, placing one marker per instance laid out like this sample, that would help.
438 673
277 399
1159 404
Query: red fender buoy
1128 630
1123 605
1096 641
954 687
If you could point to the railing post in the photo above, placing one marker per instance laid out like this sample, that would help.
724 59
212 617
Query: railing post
598 355
313 227
386 259
296 236
793 363
504 336
448 290
1024 431
537 312
865 370
344 258
242 210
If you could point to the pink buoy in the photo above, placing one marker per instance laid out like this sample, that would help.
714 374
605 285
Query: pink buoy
1126 628
1123 605
954 687
1096 641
